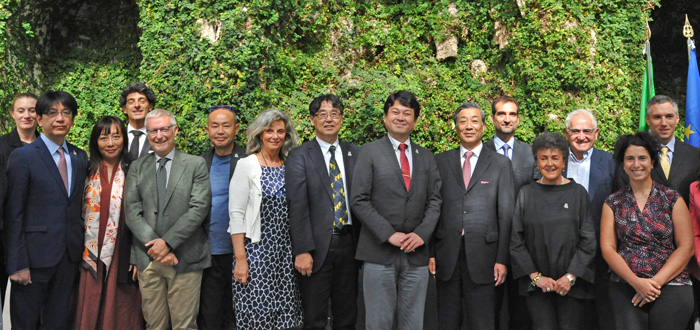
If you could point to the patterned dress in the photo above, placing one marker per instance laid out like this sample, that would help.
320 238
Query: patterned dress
645 239
271 299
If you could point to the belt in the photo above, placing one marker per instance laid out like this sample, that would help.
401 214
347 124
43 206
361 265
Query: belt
342 231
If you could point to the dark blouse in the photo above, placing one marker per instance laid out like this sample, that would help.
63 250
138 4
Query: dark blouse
645 238
553 234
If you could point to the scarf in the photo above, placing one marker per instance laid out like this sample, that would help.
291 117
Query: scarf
91 218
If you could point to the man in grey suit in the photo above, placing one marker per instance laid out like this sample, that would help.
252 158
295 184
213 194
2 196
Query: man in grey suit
136 101
505 116
322 229
396 195
167 197
594 169
473 233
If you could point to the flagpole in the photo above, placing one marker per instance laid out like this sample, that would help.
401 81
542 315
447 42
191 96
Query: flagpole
688 33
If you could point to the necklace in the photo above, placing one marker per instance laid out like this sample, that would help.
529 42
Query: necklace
561 180
279 173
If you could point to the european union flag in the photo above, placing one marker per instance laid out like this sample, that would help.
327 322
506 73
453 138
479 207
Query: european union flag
692 101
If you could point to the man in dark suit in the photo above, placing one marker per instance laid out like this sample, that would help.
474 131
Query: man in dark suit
136 101
473 233
396 195
167 197
216 298
43 227
505 116
318 176
678 161
594 169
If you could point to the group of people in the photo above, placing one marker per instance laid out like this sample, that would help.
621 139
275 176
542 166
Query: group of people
273 235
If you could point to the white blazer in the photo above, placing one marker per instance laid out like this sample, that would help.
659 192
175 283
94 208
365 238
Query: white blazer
245 196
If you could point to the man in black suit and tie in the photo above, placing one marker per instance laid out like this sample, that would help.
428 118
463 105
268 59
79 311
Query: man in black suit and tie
323 230
678 161
43 227
396 195
136 101
505 116
216 296
473 233
594 169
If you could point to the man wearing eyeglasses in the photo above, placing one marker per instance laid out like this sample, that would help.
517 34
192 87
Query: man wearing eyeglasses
43 227
136 101
167 198
216 301
594 169
323 231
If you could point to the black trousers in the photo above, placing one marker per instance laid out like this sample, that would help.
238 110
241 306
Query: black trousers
479 299
550 311
216 297
670 311
335 280
518 315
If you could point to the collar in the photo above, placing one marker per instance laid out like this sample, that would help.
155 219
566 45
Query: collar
476 151
170 155
52 146
671 145
586 156
498 143
325 145
130 128
395 143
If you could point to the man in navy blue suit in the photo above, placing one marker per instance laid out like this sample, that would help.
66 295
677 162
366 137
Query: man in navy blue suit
43 227
594 169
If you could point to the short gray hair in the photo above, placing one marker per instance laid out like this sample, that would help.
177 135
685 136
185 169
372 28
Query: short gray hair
264 120
586 112
468 105
155 113
661 99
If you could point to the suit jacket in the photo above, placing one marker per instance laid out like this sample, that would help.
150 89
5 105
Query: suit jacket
484 210
188 198
145 148
311 210
380 200
600 183
8 143
42 222
684 170
237 153
524 167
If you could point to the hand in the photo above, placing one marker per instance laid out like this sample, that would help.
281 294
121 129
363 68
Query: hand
158 249
499 273
240 272
563 285
547 283
431 266
647 291
135 271
169 260
22 277
410 242
396 239
304 263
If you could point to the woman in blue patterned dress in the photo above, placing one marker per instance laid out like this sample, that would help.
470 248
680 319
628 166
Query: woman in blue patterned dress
646 237
265 294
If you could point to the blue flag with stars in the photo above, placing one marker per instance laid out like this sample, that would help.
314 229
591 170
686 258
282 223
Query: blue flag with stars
692 102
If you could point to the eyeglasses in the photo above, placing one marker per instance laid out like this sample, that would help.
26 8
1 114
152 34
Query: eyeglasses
586 131
154 131
66 114
324 115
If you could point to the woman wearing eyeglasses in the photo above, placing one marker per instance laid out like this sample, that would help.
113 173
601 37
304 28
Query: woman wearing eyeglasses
264 287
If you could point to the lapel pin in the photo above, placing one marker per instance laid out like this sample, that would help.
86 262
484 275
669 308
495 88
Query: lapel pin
566 205
416 151
235 155
349 154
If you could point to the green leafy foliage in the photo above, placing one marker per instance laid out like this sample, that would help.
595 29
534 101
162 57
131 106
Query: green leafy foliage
553 56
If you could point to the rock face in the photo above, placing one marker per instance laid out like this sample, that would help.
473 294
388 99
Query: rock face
209 30
447 48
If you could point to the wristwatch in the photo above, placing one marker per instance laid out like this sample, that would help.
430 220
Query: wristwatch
571 279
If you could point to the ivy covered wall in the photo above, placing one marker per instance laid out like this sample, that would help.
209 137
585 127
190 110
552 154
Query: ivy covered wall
554 57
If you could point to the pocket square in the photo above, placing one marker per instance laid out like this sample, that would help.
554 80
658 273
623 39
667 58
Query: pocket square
484 182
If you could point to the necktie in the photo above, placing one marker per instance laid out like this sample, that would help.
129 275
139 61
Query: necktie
467 168
134 147
506 148
405 167
63 168
161 183
339 206
664 161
